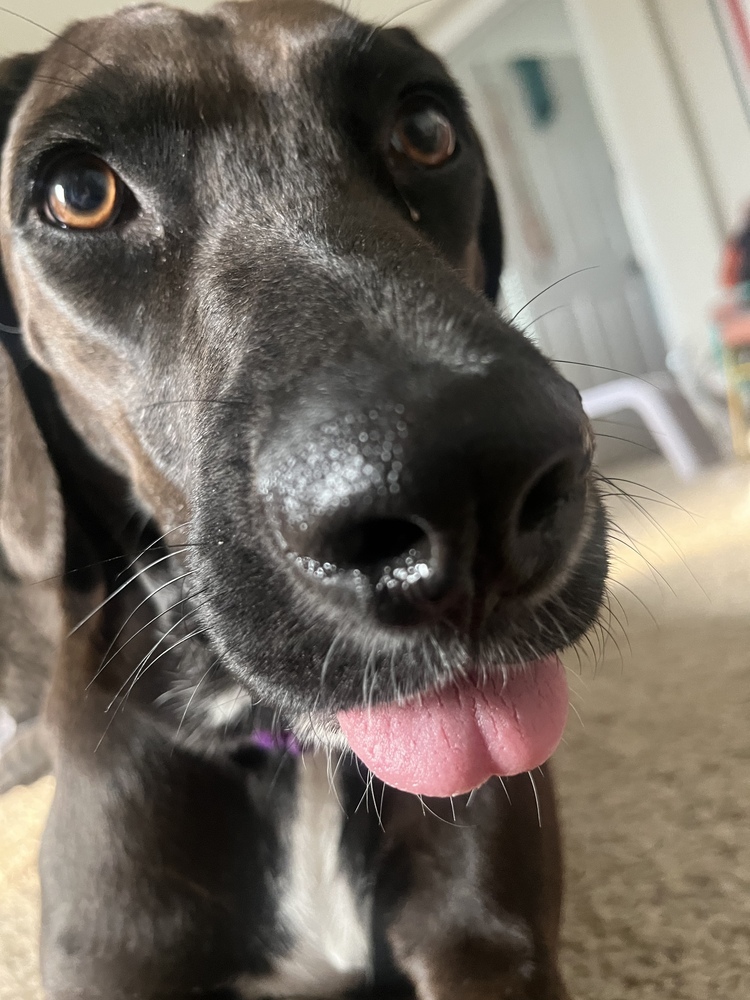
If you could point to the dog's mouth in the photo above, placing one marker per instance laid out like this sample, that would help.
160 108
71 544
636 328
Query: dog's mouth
436 710
413 601
453 739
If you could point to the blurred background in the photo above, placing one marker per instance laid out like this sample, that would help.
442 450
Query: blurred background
618 135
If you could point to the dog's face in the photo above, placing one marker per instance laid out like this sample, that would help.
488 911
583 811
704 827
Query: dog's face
251 250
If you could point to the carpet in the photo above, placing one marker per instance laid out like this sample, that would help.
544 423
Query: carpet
653 776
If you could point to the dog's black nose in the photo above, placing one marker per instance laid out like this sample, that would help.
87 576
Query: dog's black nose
466 493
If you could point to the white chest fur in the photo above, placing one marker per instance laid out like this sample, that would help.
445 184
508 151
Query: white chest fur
327 925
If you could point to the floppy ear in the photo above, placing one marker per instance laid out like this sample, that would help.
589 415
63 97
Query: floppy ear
31 552
491 240
31 521
15 74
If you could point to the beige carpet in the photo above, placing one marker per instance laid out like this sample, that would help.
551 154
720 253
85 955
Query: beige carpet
654 782
655 785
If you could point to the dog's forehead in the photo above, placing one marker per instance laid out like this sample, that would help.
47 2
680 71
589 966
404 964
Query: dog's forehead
278 36
271 42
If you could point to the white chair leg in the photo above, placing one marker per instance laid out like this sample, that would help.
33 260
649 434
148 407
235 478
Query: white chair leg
674 427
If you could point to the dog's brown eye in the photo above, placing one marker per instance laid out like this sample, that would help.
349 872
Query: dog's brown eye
82 192
423 134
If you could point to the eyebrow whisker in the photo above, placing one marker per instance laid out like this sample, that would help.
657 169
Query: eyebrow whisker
58 36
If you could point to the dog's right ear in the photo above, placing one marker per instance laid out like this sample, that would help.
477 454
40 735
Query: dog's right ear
31 519
15 76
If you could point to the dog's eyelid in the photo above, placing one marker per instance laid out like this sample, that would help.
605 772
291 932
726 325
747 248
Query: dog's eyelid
46 158
443 92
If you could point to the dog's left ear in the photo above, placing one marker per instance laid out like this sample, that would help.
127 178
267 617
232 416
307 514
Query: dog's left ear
490 240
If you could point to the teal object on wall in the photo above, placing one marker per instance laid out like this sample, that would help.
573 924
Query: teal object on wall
534 82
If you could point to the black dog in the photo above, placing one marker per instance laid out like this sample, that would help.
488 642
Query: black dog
318 498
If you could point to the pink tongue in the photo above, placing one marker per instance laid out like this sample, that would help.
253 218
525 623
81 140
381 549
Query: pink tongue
453 740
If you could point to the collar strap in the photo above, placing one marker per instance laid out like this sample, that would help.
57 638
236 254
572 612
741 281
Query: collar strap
276 741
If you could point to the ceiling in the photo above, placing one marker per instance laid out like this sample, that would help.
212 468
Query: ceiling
410 12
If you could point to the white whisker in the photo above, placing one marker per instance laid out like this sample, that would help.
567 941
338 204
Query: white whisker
122 587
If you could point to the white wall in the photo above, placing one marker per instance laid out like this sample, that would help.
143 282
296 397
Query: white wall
714 111
538 30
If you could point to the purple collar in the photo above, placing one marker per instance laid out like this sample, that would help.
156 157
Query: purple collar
276 741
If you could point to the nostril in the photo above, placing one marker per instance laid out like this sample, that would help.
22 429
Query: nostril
546 495
375 542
